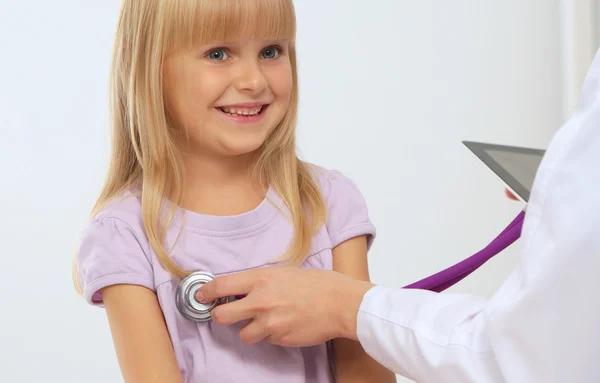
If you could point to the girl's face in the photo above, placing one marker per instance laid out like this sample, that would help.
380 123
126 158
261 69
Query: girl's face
229 97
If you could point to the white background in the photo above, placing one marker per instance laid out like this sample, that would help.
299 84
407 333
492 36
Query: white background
389 88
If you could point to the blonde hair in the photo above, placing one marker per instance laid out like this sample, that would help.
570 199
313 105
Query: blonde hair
144 151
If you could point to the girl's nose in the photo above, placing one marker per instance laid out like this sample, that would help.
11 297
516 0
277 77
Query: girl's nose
251 78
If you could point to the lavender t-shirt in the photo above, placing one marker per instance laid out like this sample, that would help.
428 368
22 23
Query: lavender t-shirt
114 250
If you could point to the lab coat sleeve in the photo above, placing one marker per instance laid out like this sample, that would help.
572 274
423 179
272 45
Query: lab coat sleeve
543 324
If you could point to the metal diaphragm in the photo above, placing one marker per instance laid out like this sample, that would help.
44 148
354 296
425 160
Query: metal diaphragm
186 301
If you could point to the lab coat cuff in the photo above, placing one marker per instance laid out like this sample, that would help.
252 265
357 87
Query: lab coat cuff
376 307
385 311
382 319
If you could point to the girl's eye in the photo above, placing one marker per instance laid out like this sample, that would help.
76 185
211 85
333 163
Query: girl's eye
271 52
217 54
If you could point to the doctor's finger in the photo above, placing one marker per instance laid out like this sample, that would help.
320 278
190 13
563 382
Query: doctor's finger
510 195
254 332
232 312
226 286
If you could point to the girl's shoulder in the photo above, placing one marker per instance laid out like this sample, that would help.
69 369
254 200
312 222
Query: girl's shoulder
126 207
347 212
118 223
112 248
334 184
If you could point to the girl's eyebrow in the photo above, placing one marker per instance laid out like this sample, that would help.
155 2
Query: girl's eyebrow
283 41
263 41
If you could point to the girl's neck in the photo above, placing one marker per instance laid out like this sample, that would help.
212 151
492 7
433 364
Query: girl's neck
221 186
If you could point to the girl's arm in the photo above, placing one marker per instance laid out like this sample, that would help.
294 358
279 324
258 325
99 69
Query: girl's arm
143 347
353 364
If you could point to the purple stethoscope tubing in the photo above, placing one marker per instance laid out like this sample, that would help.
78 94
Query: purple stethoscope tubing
448 277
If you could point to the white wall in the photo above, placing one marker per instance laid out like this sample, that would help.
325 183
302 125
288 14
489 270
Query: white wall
580 35
389 90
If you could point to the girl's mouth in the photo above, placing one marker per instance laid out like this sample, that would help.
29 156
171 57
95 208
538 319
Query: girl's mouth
243 114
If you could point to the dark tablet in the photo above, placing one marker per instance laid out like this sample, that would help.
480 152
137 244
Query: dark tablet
516 166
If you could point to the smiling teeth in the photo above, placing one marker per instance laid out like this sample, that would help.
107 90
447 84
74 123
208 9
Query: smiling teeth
242 111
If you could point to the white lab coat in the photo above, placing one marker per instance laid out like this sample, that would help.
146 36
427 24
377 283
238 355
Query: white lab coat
543 324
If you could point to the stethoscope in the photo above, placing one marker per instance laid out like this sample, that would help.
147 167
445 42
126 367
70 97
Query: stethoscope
192 309
185 297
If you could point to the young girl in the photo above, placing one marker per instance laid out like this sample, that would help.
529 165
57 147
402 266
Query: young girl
204 176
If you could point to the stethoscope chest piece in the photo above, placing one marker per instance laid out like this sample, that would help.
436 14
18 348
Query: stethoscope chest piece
186 301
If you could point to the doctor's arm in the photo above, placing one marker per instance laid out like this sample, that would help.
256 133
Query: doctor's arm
542 324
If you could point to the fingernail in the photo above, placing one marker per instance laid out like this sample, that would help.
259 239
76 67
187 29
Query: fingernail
199 296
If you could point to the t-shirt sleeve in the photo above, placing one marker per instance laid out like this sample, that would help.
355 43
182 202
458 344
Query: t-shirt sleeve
347 213
110 253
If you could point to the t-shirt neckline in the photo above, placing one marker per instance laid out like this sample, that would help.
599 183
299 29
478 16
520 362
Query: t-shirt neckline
254 218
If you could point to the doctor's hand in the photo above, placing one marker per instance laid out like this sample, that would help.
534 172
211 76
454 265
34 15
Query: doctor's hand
288 306
510 195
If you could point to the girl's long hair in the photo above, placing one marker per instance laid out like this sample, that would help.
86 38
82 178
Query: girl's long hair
144 154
